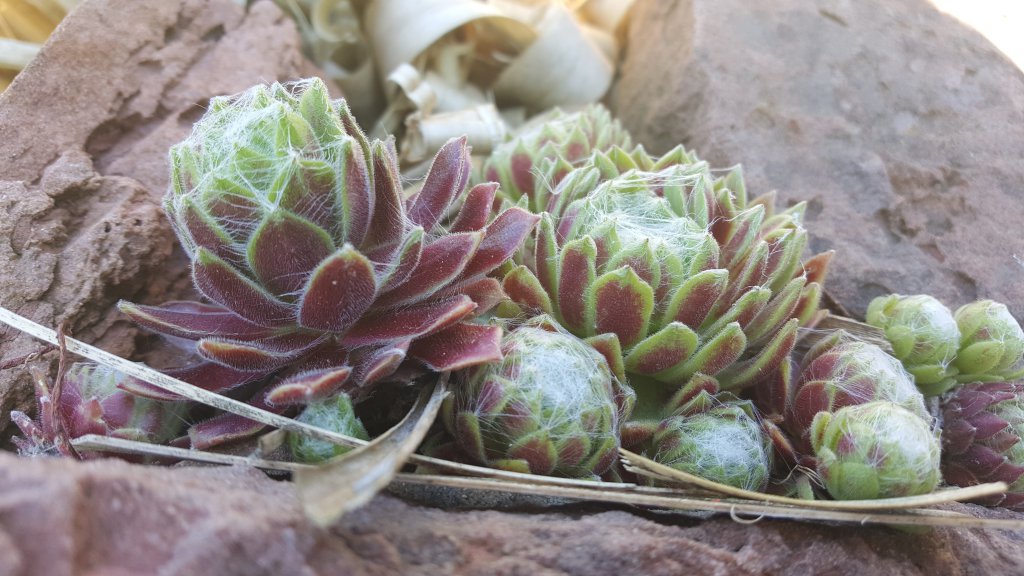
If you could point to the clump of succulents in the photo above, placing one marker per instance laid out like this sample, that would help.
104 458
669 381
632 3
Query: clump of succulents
924 336
983 427
875 450
839 372
322 275
551 406
547 148
676 266
335 414
91 401
991 343
717 437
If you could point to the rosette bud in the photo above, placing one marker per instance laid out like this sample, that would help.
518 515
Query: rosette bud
983 427
720 439
551 406
335 414
991 343
924 336
839 372
875 450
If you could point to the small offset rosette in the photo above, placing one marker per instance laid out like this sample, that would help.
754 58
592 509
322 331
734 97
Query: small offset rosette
983 438
875 450
924 336
991 343
552 406
719 438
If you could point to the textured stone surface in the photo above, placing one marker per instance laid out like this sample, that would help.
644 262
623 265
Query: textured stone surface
107 517
83 158
902 127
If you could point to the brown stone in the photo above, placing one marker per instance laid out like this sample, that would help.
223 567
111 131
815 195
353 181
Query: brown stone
900 126
108 517
83 159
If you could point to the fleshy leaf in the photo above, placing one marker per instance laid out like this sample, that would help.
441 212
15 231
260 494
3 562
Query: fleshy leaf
284 249
525 289
339 292
222 283
408 322
446 179
621 303
442 261
461 346
694 299
307 386
502 238
665 349
476 209
263 356
193 320
576 272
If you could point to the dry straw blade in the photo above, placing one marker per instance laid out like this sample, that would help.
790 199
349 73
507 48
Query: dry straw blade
348 481
627 494
647 467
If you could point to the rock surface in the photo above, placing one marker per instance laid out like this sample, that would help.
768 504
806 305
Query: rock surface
83 159
903 128
62 517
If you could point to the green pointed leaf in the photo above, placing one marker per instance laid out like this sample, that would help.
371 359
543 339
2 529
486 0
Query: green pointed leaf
576 274
696 297
663 350
619 302
525 289
712 357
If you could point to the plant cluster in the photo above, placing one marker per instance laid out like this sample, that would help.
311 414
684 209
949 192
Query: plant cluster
585 295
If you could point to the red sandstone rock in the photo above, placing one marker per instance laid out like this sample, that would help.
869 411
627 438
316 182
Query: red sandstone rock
902 127
107 517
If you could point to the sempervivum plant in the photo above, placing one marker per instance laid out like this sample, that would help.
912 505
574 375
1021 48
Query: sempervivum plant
924 336
991 343
875 450
677 266
840 371
719 438
91 401
322 275
551 406
547 148
983 427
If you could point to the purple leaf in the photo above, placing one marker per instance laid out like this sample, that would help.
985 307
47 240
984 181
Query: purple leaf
460 346
261 356
442 261
284 249
476 209
501 239
227 427
193 320
307 386
222 283
389 210
621 303
206 375
408 322
446 179
339 292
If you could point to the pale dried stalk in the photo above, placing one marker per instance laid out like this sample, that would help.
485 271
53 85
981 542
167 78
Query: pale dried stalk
645 466
638 495
15 54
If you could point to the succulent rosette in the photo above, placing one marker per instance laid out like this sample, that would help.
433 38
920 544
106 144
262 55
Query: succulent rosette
719 438
991 343
91 401
924 336
335 414
875 450
552 406
683 272
321 274
983 427
840 371
547 148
